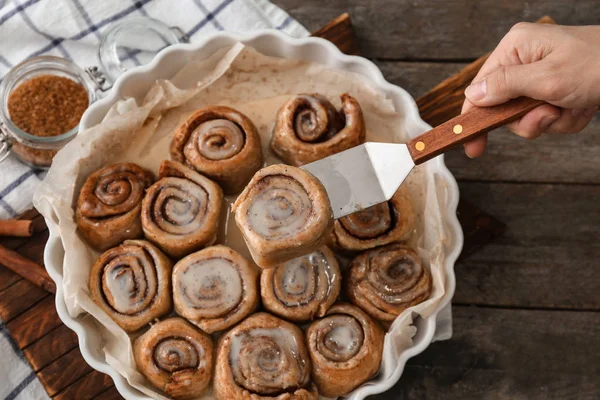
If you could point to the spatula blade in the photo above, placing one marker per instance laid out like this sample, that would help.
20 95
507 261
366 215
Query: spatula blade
362 176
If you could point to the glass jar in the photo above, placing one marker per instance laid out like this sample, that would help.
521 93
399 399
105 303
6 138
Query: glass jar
37 151
141 36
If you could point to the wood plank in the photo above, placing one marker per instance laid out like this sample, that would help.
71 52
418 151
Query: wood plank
429 370
548 256
34 323
7 278
508 354
34 250
479 228
18 298
418 77
340 32
86 387
64 371
441 30
110 394
509 157
50 347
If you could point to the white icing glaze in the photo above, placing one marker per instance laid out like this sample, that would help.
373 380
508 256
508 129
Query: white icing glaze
218 139
344 339
212 285
129 281
304 278
180 206
175 354
284 339
121 285
261 112
295 277
280 209
340 337
398 281
370 222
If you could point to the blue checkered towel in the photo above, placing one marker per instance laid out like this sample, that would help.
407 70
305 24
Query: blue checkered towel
72 29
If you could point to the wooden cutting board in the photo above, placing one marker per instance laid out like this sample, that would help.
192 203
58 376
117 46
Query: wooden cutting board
51 348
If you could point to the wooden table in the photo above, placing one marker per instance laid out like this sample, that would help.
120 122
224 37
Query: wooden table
526 309
526 320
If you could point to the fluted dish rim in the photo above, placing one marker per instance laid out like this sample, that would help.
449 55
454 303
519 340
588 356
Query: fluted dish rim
137 81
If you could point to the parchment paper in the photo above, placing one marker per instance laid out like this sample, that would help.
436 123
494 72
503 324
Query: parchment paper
257 86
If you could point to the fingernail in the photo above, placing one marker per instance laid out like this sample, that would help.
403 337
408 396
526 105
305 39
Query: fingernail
476 91
467 152
547 121
588 112
576 112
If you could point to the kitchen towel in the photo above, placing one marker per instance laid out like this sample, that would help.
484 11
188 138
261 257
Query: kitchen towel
73 29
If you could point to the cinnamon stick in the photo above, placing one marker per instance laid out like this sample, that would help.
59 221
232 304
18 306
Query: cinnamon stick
29 270
16 227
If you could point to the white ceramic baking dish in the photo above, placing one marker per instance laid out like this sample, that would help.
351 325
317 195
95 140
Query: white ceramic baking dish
136 82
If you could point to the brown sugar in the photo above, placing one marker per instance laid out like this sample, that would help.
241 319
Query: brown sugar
47 105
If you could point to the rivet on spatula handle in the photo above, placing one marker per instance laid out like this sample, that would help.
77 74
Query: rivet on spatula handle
467 126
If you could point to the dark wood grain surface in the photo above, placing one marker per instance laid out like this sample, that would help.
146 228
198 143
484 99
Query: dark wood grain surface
526 308
508 354
439 30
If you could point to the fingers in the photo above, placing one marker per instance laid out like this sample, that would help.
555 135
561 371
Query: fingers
543 119
509 82
535 122
571 120
530 126
476 147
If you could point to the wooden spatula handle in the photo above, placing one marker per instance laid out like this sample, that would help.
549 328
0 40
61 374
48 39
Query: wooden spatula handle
467 126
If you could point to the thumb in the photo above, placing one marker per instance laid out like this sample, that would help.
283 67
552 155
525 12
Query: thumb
505 83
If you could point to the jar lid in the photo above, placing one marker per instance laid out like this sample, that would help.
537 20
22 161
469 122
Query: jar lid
134 41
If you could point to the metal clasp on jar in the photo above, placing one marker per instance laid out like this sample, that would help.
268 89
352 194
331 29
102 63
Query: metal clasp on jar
98 77
5 143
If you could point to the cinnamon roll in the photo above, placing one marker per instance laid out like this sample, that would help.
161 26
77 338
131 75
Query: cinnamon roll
222 143
283 213
387 280
132 284
263 358
385 223
215 288
345 348
309 128
180 212
109 204
303 288
176 358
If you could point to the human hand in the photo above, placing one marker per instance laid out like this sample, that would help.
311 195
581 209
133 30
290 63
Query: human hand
557 64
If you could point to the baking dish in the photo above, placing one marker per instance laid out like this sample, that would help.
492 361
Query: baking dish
136 82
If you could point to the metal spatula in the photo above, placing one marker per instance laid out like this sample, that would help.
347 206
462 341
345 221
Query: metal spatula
371 173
